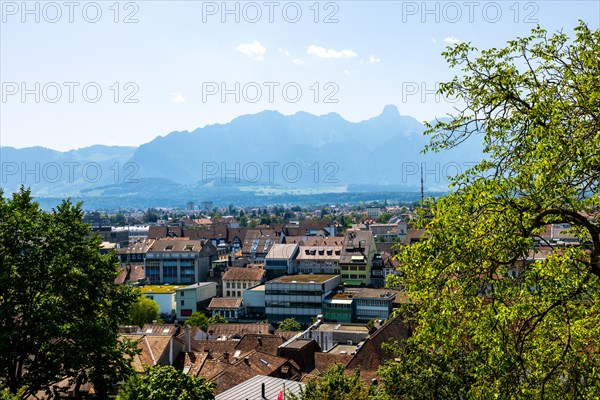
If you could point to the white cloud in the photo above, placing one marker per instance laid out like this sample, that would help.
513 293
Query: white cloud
254 50
451 40
177 98
373 59
433 40
322 52
298 61
285 52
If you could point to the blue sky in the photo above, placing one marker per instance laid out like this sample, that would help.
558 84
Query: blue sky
166 68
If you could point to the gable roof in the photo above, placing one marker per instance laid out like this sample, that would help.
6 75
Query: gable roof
225 302
239 329
265 343
370 356
243 274
253 364
259 240
166 245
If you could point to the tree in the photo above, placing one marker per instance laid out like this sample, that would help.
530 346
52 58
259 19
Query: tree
143 311
198 319
385 217
289 324
334 384
166 383
217 319
151 215
516 326
59 307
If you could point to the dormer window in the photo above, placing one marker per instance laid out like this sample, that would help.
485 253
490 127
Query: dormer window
169 247
188 247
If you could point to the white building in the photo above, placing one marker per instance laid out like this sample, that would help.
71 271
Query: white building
187 298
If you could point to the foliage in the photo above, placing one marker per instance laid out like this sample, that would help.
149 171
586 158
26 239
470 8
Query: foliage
334 384
166 383
143 311
7 395
510 325
198 319
59 307
289 324
385 217
217 319
371 323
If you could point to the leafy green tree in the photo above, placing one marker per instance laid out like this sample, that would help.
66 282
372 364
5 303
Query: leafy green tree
384 217
513 326
334 384
151 215
166 383
198 319
217 319
289 324
143 311
59 307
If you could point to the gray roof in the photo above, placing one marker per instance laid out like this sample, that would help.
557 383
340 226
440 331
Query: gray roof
252 389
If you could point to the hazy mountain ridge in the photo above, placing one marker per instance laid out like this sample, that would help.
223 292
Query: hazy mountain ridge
267 149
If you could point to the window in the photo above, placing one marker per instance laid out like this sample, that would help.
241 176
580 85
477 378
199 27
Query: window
153 271
187 271
169 247
228 293
170 271
182 303
239 285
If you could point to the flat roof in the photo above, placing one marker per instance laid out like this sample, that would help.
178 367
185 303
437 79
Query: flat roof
354 328
258 288
197 285
365 293
304 278
298 343
159 289
343 349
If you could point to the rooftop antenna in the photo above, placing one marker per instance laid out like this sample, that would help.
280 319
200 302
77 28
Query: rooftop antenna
422 188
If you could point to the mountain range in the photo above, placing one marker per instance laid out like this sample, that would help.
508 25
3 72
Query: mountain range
263 154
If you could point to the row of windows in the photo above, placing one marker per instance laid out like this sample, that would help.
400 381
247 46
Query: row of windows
338 306
319 270
234 293
289 305
173 255
376 303
226 313
353 276
294 292
240 285
354 268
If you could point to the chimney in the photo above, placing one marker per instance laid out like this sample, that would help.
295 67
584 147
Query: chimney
247 360
262 390
188 339
226 356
